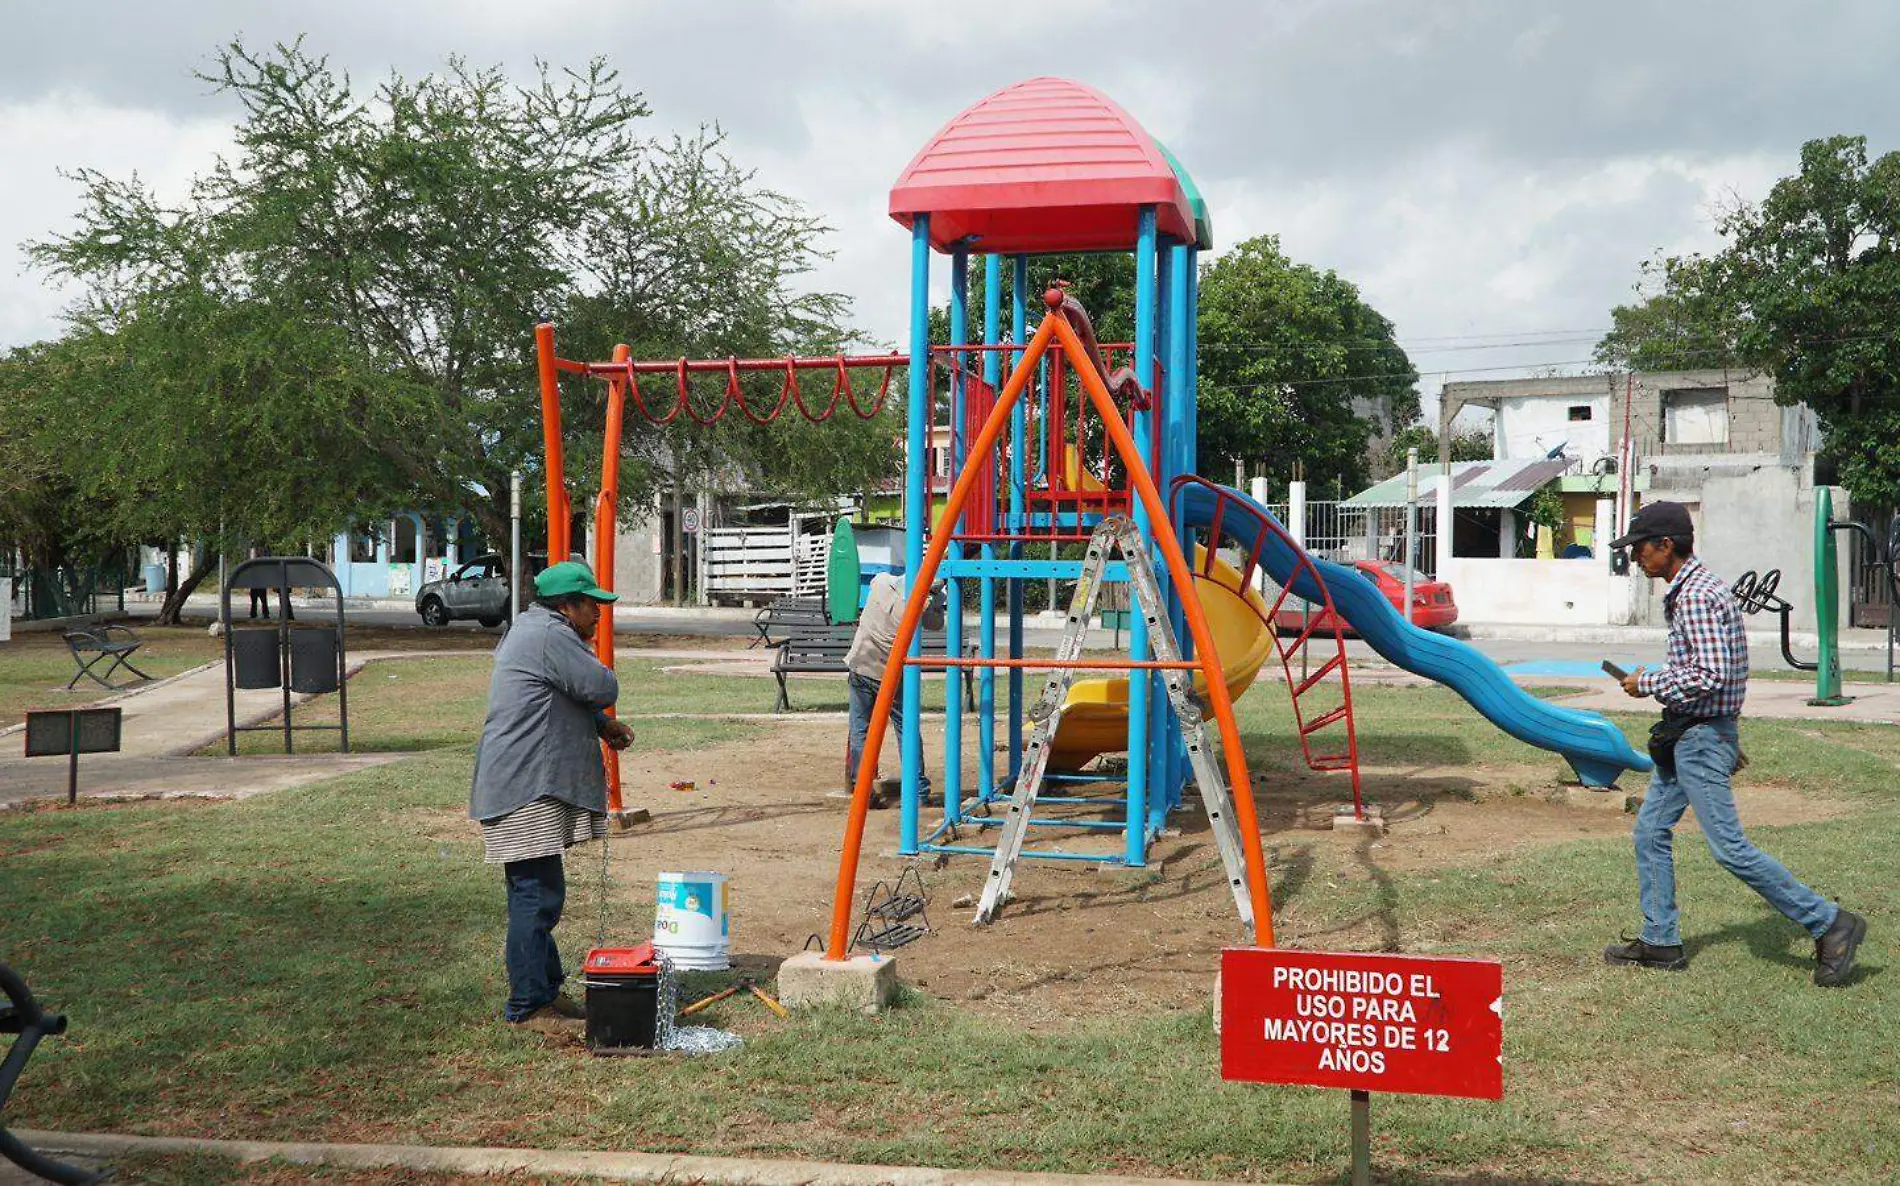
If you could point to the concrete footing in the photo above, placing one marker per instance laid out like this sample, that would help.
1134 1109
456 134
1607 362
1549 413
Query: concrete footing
864 983
1345 823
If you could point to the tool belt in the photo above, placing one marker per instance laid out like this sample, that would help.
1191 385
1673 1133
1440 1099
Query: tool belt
1664 734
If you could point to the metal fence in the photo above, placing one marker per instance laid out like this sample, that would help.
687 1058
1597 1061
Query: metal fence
40 593
748 562
1335 531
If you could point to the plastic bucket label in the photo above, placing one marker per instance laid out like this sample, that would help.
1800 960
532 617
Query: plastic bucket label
690 921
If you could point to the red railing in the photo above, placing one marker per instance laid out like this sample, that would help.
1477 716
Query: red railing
1071 421
1343 755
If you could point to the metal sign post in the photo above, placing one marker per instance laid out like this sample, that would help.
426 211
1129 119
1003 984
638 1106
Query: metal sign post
72 732
1363 1022
514 545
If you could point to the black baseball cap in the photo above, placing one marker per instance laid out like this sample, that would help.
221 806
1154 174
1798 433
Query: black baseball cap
1655 520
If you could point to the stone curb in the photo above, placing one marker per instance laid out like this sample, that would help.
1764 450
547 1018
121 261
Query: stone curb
615 1167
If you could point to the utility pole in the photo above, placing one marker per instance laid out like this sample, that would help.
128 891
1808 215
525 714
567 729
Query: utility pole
1411 524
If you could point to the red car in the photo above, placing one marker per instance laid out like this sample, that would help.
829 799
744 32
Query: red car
1433 607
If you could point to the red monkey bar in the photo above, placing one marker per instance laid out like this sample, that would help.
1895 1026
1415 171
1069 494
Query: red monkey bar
622 377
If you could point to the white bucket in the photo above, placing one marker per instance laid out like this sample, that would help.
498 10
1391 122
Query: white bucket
690 924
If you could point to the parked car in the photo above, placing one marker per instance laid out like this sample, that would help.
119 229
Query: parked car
478 589
1433 606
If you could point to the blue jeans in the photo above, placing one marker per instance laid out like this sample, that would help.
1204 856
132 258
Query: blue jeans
536 891
863 699
1705 757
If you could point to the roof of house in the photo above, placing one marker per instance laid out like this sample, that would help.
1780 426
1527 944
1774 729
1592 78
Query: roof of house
1044 165
1473 483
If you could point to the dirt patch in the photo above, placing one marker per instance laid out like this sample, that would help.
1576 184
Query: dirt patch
1078 934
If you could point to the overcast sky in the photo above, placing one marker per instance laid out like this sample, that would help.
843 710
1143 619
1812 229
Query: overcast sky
1488 173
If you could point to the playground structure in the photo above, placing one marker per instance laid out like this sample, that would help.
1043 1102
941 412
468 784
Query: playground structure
1050 438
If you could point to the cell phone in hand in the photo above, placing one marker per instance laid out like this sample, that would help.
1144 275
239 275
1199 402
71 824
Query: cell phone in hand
1614 672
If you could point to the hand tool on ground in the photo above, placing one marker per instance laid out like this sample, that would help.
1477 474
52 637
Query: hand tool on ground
738 986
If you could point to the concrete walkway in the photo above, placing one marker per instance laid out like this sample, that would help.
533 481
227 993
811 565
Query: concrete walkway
163 723
1777 699
536 1163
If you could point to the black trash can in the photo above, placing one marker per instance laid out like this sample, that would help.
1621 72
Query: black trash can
313 651
623 998
254 657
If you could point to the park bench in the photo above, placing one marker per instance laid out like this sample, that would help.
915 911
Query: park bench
820 650
98 645
788 614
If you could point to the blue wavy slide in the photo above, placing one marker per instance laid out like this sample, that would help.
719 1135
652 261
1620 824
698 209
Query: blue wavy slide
1594 747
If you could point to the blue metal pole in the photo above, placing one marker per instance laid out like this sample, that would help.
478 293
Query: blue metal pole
1190 388
953 606
986 603
916 512
1018 476
1178 433
1138 683
1191 452
1161 722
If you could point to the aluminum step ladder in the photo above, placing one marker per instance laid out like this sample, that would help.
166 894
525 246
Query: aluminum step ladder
1116 532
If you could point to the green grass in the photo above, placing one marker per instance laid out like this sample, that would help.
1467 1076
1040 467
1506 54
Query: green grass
323 965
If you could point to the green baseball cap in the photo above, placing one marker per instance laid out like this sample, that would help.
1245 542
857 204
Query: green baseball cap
570 576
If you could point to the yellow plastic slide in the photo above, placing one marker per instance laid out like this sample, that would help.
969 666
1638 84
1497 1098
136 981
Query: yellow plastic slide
1095 719
1095 716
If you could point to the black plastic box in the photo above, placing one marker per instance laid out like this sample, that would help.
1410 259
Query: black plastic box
623 998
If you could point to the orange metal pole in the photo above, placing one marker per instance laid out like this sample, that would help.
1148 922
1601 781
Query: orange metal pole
558 513
1220 700
983 446
606 531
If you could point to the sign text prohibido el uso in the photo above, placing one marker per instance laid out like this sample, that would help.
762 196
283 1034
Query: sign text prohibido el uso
1364 1022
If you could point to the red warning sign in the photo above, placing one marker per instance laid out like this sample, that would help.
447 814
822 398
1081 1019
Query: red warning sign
1397 1023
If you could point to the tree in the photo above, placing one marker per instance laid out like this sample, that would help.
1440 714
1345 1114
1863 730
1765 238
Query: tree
1814 270
191 400
1465 446
40 507
1686 320
1295 367
399 246
1804 291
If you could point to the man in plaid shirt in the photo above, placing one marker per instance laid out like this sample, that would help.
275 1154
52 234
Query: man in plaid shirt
1697 747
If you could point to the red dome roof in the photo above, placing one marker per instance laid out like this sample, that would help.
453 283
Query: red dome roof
1045 165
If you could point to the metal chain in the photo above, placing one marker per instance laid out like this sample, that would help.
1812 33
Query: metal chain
668 1034
600 933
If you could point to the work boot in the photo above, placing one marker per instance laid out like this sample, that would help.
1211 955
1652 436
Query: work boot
1834 950
567 1006
1635 952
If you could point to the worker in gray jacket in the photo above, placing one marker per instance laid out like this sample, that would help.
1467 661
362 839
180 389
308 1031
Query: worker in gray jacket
864 664
540 785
